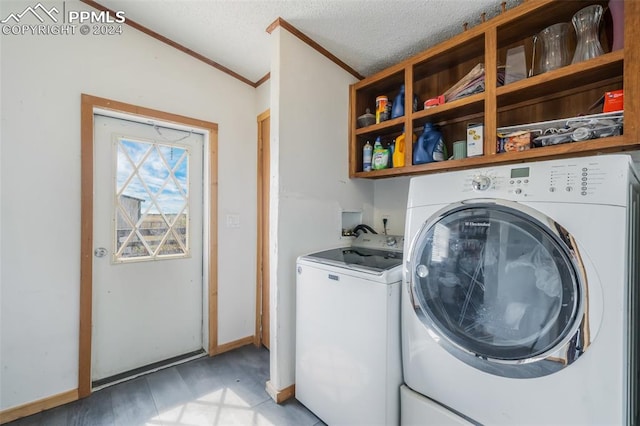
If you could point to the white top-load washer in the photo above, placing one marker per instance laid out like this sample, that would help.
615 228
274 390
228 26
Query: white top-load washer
348 367
520 301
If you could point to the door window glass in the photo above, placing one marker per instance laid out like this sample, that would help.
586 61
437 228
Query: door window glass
495 282
152 208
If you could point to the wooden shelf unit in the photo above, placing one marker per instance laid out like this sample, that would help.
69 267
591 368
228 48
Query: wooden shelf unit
561 93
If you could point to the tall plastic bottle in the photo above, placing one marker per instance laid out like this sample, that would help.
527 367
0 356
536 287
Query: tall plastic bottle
398 104
430 146
398 153
420 154
367 155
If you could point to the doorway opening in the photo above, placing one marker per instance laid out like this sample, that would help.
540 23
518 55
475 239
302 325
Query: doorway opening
262 334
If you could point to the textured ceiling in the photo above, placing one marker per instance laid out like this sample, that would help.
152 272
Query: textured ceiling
368 35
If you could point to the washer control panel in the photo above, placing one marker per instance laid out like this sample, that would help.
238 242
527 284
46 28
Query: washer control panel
379 241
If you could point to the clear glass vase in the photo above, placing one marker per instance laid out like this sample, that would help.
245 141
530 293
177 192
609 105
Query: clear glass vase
587 25
553 51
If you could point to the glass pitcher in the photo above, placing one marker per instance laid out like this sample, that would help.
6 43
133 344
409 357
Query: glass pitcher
554 51
587 24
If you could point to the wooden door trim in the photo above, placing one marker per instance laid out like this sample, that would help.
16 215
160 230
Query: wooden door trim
88 104
260 256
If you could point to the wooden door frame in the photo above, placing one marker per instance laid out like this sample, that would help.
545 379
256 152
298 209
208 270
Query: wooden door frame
88 106
260 228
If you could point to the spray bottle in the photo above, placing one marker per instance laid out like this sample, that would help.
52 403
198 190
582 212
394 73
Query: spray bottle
367 155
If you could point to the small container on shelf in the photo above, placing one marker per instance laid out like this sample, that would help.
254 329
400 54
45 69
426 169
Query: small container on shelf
434 102
366 119
367 157
613 101
475 140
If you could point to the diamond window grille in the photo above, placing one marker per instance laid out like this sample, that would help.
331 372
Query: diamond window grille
152 208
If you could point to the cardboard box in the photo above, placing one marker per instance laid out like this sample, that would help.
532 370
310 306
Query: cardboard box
515 142
475 140
613 101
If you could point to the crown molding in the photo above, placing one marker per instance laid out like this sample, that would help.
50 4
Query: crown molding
296 32
174 44
275 24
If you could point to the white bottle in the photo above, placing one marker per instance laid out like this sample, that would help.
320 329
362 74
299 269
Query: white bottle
367 155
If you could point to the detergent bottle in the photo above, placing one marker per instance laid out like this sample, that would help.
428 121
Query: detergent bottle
398 153
380 156
398 104
430 146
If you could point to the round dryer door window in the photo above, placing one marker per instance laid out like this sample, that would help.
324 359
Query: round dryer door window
499 286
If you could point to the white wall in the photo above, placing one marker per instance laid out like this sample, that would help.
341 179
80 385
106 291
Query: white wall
42 78
310 183
390 201
263 97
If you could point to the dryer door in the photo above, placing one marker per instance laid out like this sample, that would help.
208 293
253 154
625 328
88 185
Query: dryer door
500 286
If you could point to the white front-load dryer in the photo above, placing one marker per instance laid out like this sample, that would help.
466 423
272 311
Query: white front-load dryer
520 295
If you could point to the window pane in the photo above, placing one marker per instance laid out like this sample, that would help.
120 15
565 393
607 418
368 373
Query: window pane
152 214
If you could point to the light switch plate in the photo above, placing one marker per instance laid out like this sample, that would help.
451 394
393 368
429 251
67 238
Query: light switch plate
233 221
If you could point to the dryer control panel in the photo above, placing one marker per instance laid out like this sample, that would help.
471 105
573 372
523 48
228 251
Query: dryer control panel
573 180
519 180
576 180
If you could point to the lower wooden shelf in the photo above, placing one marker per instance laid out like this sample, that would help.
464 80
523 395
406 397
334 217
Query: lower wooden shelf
574 149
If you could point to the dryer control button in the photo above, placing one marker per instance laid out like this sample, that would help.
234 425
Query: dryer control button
481 183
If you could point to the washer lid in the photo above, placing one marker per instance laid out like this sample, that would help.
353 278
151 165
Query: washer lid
500 285
358 258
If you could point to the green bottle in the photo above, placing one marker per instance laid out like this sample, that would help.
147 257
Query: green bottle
380 156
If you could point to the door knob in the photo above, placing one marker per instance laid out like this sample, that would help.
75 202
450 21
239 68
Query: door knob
100 252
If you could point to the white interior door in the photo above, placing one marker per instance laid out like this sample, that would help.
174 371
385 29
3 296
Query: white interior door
148 241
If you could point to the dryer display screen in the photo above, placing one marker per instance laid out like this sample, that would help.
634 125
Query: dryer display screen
522 172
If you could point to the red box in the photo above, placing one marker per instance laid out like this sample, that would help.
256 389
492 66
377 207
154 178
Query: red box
613 101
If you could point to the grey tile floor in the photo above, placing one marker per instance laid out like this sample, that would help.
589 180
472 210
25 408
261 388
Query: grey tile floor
227 389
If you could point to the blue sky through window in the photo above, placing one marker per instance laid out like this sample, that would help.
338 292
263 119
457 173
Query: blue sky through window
154 162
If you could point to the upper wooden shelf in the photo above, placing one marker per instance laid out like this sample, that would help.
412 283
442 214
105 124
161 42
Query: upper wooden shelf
605 68
451 111
575 149
380 127
562 93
